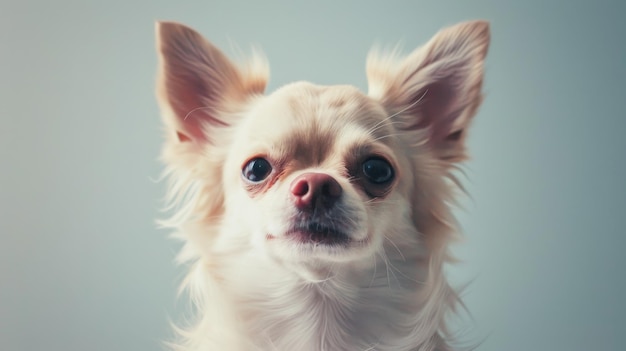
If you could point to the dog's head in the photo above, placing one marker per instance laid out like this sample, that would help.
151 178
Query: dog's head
313 175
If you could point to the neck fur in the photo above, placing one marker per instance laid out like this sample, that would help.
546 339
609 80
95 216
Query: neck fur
250 302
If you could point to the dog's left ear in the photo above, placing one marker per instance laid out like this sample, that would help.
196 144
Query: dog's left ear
437 87
197 83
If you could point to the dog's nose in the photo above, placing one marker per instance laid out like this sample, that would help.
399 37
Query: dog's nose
314 189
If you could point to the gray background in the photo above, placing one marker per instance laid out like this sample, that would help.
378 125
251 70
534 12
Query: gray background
83 266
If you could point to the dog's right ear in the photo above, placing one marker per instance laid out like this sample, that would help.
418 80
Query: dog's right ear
437 88
198 85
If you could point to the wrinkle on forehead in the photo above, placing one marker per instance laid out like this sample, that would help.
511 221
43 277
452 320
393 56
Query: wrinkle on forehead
325 113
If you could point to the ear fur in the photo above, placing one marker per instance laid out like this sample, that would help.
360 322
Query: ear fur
196 82
201 93
437 88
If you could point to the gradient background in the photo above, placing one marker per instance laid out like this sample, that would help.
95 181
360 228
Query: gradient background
83 267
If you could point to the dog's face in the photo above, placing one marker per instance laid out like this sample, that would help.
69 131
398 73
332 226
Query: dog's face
312 175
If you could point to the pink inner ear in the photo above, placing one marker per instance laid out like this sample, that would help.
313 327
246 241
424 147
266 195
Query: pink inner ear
185 98
436 110
455 136
188 98
182 137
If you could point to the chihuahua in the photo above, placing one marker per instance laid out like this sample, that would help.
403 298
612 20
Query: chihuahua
317 217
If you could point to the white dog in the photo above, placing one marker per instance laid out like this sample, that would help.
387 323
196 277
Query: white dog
317 217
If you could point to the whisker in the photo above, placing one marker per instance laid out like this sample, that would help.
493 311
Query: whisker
387 136
194 110
411 105
394 268
387 121
389 268
382 124
403 110
375 268
396 246
383 255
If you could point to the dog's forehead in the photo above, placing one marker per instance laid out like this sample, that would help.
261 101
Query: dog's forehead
304 98
309 120
337 105
319 109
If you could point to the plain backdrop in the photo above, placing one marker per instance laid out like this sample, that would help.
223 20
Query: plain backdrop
84 267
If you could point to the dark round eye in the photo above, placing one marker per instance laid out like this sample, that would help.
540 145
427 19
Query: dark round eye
257 170
377 171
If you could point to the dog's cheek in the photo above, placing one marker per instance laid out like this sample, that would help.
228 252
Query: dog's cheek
356 213
278 211
258 216
390 216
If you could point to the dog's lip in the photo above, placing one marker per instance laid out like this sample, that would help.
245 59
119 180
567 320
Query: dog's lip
316 234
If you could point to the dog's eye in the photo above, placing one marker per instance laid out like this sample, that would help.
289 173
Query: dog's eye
377 171
257 170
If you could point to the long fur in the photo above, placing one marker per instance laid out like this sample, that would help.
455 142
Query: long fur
396 296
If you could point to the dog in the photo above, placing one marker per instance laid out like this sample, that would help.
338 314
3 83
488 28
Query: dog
317 217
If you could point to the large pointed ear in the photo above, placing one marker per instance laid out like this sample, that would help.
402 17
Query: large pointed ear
437 88
197 83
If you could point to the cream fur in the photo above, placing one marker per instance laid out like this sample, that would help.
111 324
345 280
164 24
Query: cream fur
386 290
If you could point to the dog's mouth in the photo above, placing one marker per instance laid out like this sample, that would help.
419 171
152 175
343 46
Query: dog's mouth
318 234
